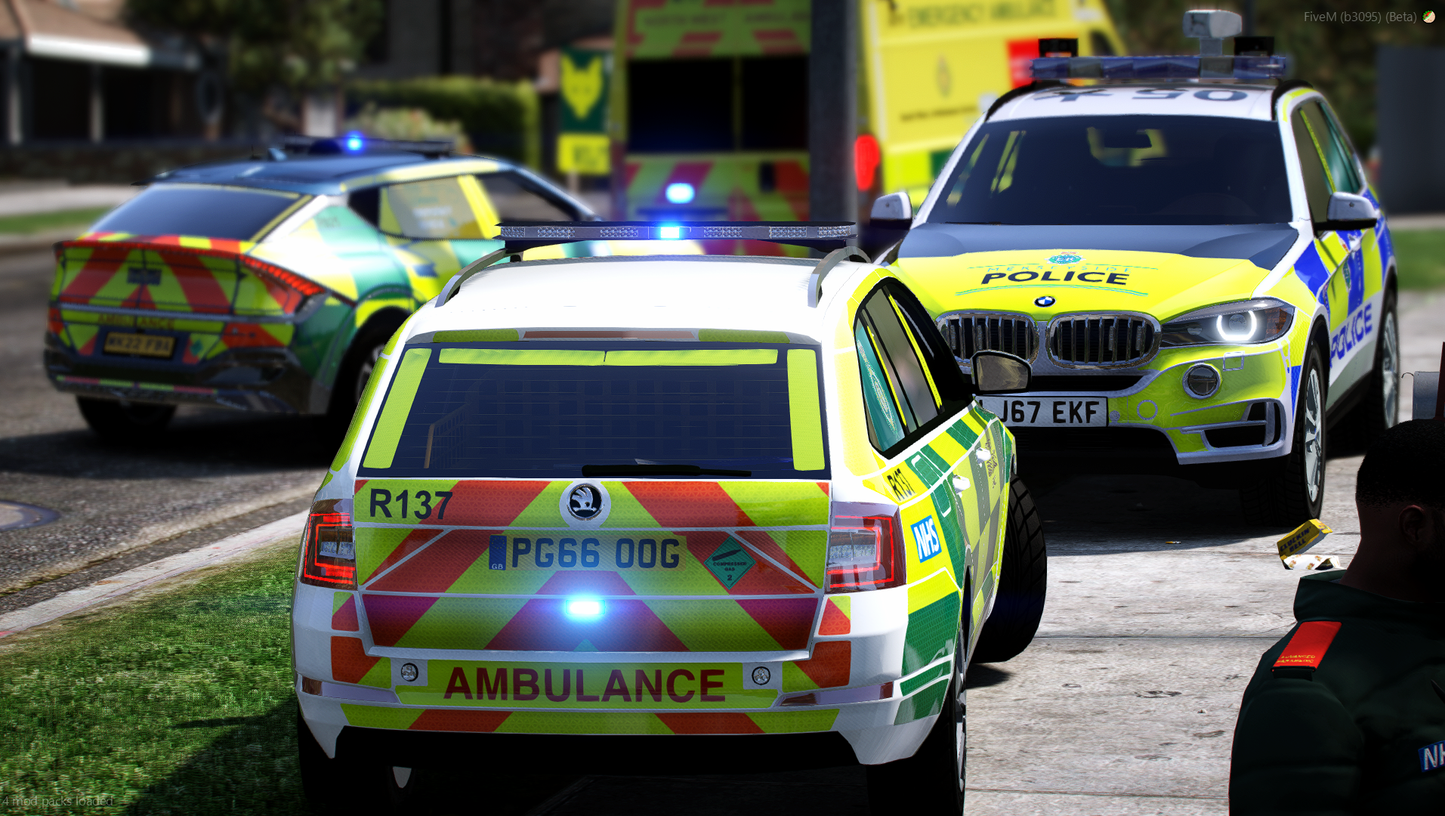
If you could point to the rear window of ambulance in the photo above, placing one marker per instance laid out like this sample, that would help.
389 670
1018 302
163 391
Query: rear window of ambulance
547 410
196 209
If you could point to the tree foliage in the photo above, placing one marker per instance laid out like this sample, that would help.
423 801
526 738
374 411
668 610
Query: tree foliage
1333 50
295 44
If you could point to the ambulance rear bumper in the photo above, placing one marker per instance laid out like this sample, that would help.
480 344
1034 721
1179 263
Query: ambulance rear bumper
598 753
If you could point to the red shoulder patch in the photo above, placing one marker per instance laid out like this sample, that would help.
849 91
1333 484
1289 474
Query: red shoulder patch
1309 644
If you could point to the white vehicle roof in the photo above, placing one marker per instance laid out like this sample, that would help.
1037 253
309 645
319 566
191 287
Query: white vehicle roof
665 292
1227 99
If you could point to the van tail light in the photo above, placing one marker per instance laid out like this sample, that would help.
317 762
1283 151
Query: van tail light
865 548
328 548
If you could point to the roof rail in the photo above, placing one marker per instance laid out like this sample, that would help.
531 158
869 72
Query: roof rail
821 235
353 143
454 285
832 259
520 236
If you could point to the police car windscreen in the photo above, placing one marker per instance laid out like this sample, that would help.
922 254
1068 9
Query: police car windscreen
194 209
545 410
1119 170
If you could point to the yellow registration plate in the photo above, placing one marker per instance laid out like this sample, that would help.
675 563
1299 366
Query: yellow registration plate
145 345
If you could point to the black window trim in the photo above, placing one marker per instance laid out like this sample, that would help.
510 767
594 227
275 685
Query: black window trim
949 411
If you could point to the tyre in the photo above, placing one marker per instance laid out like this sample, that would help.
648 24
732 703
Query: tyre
123 421
932 780
357 365
341 787
1290 490
1379 409
1022 583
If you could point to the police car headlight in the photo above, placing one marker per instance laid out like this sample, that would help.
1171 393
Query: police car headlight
1249 321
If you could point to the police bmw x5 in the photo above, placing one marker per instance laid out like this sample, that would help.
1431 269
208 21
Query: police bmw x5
692 513
1187 252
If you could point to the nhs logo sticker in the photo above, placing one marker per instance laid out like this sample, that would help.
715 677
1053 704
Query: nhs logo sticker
925 533
1432 756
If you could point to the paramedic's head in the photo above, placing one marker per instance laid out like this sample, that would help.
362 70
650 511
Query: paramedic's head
1400 496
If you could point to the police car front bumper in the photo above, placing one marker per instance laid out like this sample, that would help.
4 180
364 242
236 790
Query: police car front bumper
1158 424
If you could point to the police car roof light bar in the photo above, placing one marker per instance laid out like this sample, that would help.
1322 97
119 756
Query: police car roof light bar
1161 68
821 235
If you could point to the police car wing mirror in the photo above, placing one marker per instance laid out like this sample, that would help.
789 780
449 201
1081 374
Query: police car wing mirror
892 207
997 372
1347 211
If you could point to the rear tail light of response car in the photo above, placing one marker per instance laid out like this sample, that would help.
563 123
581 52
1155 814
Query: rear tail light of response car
865 550
193 265
328 546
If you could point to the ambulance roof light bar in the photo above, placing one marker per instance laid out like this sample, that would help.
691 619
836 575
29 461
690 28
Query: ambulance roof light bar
1253 58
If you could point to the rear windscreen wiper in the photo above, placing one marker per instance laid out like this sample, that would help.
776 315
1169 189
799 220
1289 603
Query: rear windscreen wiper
602 471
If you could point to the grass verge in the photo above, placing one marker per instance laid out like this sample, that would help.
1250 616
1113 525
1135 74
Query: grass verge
178 702
1420 255
43 222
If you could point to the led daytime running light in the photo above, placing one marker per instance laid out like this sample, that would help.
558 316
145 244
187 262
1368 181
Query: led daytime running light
1247 335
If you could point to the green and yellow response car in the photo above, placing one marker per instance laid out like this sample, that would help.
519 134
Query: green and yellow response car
272 284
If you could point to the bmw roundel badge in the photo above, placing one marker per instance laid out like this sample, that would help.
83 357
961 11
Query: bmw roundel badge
1043 300
584 502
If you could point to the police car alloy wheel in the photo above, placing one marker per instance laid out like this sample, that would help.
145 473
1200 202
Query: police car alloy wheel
1388 368
1290 490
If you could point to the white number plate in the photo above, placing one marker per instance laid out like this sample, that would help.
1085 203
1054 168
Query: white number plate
1049 410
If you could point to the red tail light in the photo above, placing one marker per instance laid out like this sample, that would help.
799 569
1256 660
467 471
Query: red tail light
328 549
865 552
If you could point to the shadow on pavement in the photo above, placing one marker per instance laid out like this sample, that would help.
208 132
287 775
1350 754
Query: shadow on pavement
982 675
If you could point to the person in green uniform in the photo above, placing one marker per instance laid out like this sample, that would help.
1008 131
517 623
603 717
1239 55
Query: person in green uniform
1346 714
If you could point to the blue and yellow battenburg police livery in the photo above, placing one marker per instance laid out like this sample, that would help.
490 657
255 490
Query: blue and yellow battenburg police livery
823 591
1171 251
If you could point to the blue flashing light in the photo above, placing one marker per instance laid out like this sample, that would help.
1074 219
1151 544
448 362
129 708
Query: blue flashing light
669 233
354 142
680 192
1160 68
584 608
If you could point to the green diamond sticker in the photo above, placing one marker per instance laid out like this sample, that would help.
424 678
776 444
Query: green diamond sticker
729 562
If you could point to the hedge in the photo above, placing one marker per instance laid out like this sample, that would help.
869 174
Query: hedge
500 118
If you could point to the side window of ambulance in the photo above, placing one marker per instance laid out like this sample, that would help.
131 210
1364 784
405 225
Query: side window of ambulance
1317 185
513 199
432 209
900 358
885 423
950 392
898 390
